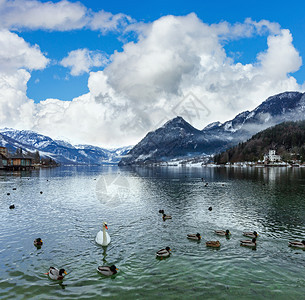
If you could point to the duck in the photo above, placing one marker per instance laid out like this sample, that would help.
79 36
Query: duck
12 206
102 237
253 234
210 208
223 233
214 244
107 271
297 244
196 237
166 217
164 252
248 243
161 211
38 242
56 274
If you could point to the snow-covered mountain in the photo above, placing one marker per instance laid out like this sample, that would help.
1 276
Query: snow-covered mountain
63 152
177 138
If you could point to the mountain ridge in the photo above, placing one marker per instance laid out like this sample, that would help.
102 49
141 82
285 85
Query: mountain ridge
215 137
61 151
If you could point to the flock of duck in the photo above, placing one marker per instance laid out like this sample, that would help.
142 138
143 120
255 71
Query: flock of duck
103 239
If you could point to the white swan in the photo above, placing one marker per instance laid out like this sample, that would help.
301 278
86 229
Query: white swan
102 237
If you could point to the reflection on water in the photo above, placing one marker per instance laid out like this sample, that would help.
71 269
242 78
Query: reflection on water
76 200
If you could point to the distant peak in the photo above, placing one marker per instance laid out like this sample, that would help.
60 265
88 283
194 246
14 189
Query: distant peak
212 125
291 94
175 121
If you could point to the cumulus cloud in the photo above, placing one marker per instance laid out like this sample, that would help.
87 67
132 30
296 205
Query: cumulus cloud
82 60
32 14
16 57
106 21
60 16
16 53
176 63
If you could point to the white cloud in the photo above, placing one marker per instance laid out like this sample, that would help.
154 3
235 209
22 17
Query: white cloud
60 16
15 53
16 110
82 60
281 57
32 14
106 21
146 82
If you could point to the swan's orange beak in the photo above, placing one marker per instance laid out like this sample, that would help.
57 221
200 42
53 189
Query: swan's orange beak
117 269
65 272
106 226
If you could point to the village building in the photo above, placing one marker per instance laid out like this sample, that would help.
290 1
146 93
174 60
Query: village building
271 157
14 162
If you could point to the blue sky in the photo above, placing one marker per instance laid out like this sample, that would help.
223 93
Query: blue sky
119 59
58 44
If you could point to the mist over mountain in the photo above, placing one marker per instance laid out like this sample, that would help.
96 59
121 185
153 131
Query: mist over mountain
177 138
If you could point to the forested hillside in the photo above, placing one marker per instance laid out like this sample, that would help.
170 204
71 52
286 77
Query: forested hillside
288 139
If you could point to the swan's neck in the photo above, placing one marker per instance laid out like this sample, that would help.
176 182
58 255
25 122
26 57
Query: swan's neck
104 235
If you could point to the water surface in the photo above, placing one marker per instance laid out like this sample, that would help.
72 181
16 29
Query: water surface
76 200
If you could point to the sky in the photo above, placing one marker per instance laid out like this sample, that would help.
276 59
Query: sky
107 73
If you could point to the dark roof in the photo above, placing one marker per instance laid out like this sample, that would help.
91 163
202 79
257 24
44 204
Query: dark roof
19 156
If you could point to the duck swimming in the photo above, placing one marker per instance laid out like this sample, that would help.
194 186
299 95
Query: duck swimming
56 274
107 271
166 217
102 237
253 234
164 252
215 244
248 243
223 233
38 242
196 237
297 244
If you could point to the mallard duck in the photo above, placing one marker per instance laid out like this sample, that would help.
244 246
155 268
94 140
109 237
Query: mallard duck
56 274
12 206
223 233
164 252
38 242
210 208
166 217
196 237
102 237
253 234
297 244
107 271
215 244
248 243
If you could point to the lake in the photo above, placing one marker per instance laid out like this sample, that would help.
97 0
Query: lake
76 200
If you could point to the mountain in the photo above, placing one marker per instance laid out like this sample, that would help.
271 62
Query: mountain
287 138
177 138
61 151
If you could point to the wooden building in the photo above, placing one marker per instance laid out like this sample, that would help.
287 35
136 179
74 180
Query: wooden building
14 162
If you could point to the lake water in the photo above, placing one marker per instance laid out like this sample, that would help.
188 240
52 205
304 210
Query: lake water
76 200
